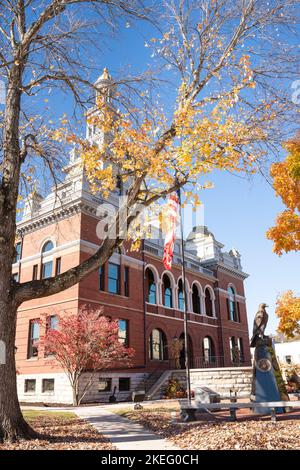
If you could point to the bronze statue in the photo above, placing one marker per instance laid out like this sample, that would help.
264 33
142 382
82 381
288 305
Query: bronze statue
259 324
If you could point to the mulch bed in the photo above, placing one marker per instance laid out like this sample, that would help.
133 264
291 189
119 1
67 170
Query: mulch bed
61 433
218 433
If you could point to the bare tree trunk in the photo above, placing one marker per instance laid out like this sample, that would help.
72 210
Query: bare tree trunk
12 423
75 390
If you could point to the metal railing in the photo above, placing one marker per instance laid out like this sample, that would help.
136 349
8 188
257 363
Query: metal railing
201 362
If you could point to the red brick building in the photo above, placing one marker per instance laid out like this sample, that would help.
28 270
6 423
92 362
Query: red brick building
56 233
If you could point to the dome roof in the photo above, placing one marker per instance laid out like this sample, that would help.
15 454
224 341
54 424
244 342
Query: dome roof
200 229
104 77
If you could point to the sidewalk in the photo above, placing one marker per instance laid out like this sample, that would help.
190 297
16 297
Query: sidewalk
123 433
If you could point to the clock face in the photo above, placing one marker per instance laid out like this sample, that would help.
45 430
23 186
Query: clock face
264 365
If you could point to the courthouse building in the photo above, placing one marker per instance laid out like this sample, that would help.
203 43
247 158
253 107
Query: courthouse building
59 231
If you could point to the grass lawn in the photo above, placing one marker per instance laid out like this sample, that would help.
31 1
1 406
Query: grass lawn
216 432
60 430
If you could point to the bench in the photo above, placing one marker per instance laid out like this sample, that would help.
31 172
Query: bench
189 408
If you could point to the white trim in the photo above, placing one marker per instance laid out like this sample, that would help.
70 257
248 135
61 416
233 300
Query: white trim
181 319
112 305
224 292
201 296
157 281
213 301
173 288
66 246
45 240
47 305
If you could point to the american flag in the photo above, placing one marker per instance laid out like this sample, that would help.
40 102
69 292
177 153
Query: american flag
171 216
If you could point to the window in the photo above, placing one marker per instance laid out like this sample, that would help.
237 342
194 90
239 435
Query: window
48 246
34 336
18 252
53 322
180 295
158 345
119 184
167 292
35 272
232 314
29 385
196 299
102 278
57 266
238 313
46 270
288 359
47 385
124 332
113 278
15 277
104 385
234 350
126 281
208 350
124 384
208 303
241 349
150 286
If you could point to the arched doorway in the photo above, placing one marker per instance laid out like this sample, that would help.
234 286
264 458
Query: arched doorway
182 352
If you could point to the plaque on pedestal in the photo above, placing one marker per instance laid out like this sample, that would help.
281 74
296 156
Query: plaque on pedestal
267 381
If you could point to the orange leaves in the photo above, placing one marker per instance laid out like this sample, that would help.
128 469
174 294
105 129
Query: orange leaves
286 183
286 233
288 312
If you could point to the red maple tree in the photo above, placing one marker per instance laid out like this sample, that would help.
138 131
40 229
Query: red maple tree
84 343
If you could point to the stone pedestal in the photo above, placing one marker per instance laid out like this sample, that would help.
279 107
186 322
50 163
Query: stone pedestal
267 383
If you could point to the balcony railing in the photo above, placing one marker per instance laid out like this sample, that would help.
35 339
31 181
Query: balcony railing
200 362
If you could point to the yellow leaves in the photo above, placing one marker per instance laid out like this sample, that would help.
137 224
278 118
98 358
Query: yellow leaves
286 183
288 312
286 233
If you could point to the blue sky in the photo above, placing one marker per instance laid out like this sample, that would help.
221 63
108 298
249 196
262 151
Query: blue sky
237 211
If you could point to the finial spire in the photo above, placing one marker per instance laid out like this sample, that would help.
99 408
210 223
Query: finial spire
105 74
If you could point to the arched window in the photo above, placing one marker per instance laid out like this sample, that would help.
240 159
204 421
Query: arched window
180 295
208 350
196 299
208 303
158 347
47 267
150 287
231 304
48 246
167 291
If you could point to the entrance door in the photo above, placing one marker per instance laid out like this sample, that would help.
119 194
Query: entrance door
182 352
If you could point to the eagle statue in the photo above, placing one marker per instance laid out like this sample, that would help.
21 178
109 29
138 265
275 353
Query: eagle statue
259 324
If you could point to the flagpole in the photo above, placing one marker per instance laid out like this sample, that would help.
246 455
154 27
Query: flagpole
186 339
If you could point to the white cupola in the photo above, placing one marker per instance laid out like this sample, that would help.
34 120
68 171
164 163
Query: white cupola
203 244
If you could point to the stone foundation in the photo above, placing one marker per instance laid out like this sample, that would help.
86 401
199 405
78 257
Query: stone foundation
63 392
220 380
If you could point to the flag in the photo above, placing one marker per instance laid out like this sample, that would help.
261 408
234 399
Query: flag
170 217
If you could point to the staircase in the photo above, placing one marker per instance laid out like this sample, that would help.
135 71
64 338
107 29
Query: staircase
153 383
156 390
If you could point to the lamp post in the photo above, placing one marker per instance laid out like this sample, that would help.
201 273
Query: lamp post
186 341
